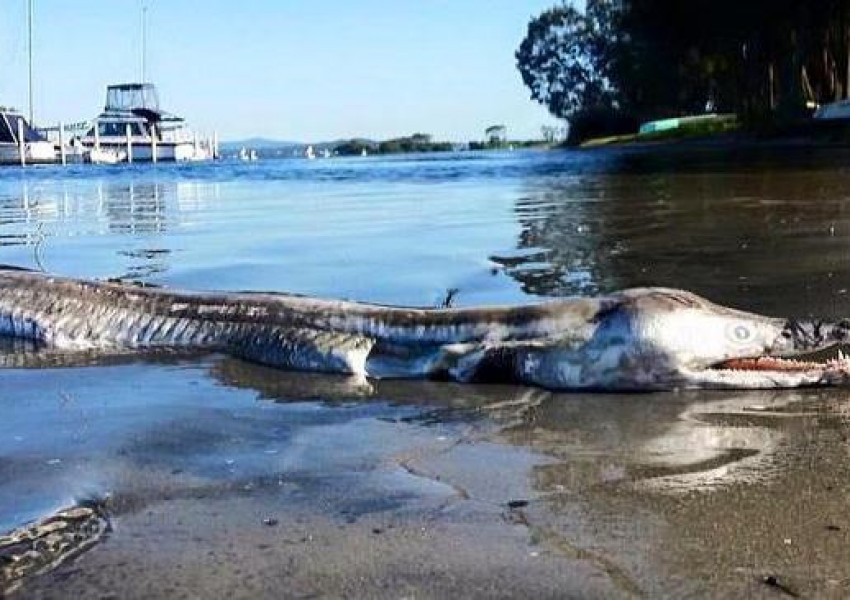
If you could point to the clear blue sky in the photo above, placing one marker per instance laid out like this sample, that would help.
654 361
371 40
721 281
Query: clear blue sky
287 69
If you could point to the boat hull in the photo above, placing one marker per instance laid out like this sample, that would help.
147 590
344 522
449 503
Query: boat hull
34 153
144 151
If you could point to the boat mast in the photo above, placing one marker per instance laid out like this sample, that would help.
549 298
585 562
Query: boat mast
29 49
144 40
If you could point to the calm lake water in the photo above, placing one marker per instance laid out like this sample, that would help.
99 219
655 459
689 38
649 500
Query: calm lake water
766 231
763 230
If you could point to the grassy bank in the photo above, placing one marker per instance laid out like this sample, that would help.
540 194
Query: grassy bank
820 132
702 128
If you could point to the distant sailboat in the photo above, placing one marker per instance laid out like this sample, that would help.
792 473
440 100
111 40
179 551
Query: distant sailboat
309 153
245 154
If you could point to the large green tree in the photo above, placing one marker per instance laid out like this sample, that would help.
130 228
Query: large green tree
563 60
764 59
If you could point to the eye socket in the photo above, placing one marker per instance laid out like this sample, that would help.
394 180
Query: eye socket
739 333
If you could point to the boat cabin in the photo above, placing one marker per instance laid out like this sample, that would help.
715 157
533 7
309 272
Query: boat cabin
10 122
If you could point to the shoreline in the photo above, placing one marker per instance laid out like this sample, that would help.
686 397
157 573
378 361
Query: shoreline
825 133
509 493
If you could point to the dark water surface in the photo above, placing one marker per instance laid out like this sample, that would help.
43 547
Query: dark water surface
762 230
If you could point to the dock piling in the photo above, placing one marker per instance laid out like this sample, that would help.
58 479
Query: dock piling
129 144
21 143
62 143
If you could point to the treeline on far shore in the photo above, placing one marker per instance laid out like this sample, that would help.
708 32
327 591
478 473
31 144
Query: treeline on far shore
418 142
422 142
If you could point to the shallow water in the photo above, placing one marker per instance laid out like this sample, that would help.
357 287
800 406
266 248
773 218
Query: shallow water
768 232
765 231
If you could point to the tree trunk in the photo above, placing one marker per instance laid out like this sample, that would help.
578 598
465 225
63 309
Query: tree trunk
771 86
846 82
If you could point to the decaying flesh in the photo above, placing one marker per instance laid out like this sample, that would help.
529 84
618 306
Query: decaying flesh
639 339
39 547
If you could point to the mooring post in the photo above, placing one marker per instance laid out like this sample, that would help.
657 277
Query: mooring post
215 144
97 135
21 143
129 144
62 143
153 142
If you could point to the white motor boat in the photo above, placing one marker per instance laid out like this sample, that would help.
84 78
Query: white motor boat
16 135
133 126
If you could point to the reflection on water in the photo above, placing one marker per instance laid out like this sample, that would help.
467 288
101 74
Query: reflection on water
489 406
689 441
772 241
665 441
51 217
659 441
562 248
99 206
134 207
765 232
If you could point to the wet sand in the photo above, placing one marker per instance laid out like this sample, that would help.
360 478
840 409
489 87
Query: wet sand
743 496
246 487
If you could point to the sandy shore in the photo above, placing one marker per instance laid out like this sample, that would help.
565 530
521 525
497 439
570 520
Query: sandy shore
424 490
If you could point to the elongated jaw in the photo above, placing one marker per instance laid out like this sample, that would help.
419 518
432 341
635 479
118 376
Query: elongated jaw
836 356
828 366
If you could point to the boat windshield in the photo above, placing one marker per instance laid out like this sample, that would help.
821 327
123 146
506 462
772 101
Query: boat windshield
9 129
129 96
118 128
